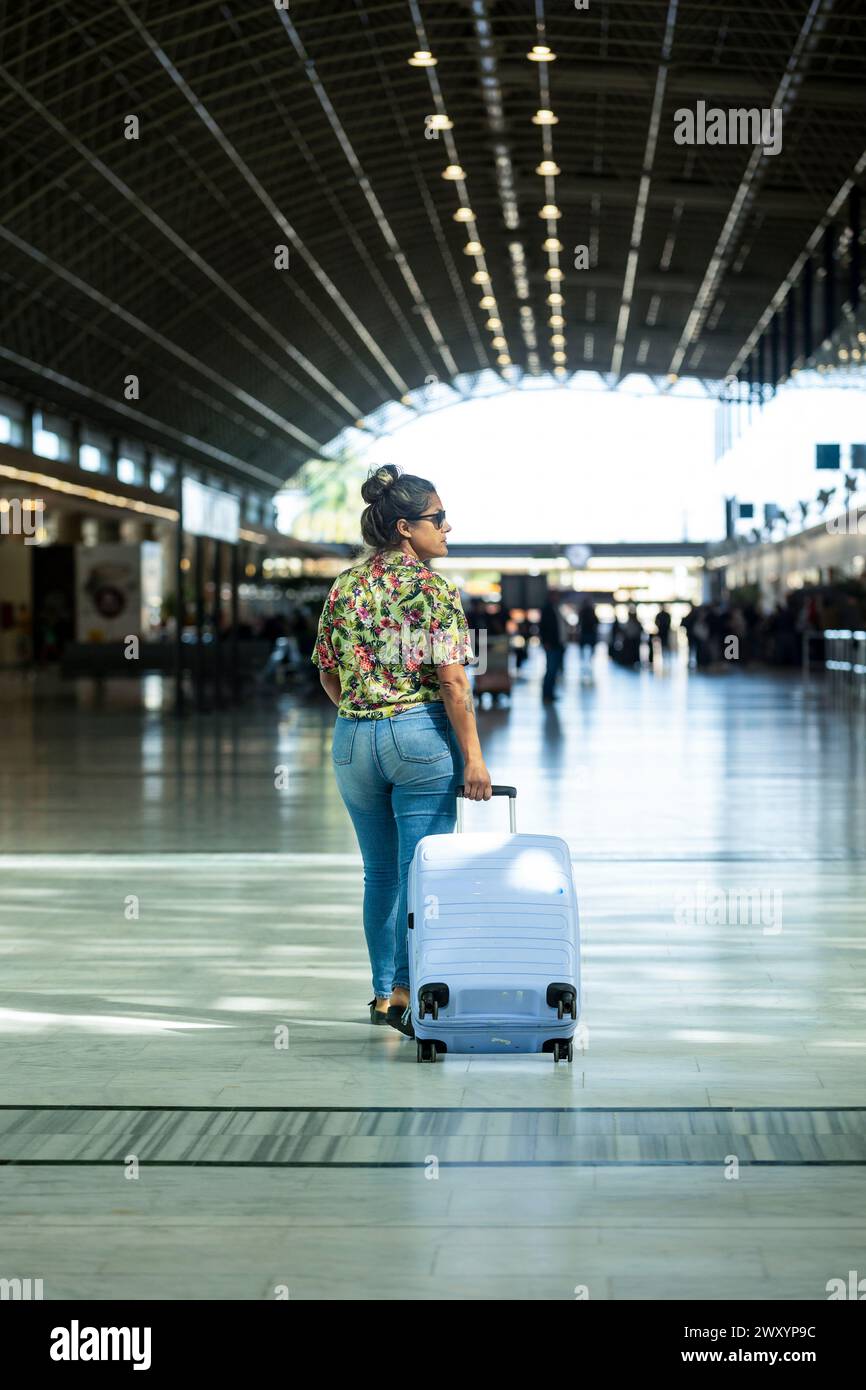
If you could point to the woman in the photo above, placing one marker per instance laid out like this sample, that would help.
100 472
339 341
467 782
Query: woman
391 649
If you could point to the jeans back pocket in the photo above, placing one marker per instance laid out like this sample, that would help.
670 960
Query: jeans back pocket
344 738
421 738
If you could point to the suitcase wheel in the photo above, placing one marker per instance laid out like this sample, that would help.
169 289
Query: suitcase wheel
564 999
563 1051
425 1050
430 998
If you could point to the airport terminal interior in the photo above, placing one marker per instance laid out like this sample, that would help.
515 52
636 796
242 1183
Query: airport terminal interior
595 273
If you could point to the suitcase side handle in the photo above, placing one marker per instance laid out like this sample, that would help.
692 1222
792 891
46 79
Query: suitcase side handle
510 792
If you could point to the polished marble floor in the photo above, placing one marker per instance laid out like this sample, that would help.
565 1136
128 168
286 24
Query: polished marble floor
193 1104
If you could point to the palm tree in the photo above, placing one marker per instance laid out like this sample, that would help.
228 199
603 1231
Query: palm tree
332 488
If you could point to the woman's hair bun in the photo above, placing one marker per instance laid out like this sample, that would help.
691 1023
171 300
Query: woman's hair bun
379 480
391 495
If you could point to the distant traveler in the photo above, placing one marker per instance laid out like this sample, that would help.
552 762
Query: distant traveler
614 640
552 633
631 638
587 630
688 627
663 627
700 637
391 649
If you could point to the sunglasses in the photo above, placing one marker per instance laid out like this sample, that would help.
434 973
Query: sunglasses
438 518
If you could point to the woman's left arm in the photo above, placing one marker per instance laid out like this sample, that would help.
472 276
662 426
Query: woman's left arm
330 681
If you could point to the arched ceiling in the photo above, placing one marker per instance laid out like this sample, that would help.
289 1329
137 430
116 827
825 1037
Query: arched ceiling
259 125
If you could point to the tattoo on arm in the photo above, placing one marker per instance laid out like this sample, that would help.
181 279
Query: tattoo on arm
469 704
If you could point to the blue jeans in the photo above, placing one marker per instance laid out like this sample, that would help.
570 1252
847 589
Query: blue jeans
398 777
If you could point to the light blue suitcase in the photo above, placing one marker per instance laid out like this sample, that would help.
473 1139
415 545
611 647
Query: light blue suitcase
494 956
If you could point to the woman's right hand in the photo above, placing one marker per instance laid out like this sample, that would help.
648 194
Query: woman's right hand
477 785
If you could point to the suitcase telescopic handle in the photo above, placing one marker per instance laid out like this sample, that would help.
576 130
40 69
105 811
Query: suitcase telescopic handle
510 792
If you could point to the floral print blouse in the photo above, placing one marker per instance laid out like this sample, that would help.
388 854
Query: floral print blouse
386 625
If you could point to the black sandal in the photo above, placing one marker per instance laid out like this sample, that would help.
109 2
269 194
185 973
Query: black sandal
377 1016
400 1018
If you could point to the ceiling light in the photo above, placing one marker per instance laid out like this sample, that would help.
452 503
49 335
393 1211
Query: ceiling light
545 118
551 243
560 373
555 321
541 54
473 248
557 340
493 324
422 59
504 360
453 172
438 123
464 215
554 273
550 211
481 277
488 302
555 298
559 357
498 342
548 168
